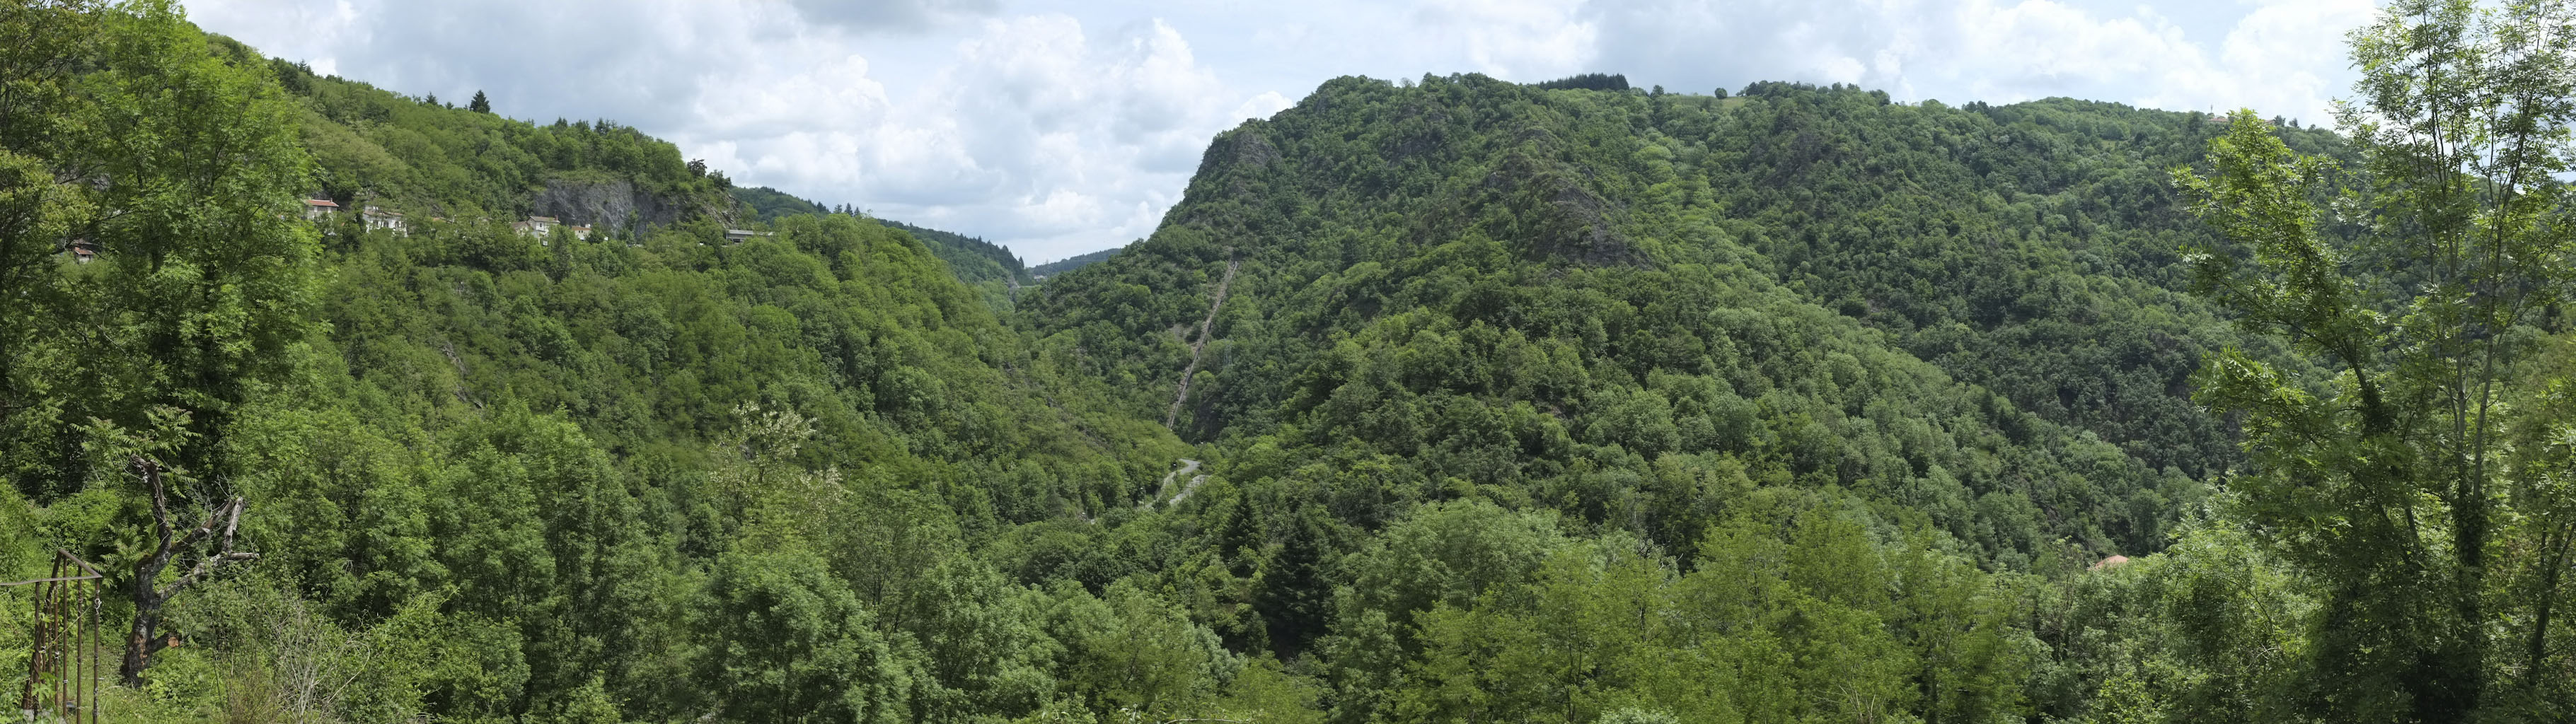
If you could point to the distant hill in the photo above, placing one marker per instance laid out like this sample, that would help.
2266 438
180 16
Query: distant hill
989 268
1071 263
974 259
768 204
1989 266
1703 329
429 157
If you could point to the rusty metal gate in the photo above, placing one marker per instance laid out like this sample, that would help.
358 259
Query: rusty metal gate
63 669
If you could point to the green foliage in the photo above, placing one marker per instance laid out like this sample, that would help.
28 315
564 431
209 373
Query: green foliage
767 204
432 160
199 288
1071 263
1509 403
783 511
1793 613
989 268
2385 479
1477 288
986 266
2210 629
975 260
1588 81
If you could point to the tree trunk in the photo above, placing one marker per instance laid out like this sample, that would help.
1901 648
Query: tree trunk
2461 663
144 639
2548 594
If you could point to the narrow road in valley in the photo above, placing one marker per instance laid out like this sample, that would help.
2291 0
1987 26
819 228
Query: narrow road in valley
1186 490
1199 344
1187 466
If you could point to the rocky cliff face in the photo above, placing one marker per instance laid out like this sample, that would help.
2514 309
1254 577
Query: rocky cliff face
609 203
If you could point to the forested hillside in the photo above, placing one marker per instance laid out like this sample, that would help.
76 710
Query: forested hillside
1762 278
768 204
1436 400
429 158
989 268
1071 263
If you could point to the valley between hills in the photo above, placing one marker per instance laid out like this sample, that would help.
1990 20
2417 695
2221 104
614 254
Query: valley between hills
1437 399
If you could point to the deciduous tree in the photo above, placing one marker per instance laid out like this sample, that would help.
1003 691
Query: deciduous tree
2384 478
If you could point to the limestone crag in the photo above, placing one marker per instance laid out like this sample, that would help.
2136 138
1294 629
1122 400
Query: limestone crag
613 203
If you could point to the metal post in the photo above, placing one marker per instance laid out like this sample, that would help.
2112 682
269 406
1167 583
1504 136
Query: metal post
51 593
62 652
63 657
35 654
35 660
80 654
96 637
86 697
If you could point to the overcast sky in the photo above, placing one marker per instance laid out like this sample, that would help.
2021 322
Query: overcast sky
1058 128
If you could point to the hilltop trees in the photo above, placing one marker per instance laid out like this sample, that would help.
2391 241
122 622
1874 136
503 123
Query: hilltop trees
1590 81
479 104
431 160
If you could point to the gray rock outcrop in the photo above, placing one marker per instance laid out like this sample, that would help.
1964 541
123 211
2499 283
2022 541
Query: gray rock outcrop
607 204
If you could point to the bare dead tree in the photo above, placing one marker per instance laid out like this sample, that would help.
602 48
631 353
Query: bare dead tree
144 641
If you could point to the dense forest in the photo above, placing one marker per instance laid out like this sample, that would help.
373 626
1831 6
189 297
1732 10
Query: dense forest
1435 400
989 268
1071 263
768 204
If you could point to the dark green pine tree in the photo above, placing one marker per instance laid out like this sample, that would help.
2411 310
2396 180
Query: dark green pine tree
1293 596
1238 538
480 104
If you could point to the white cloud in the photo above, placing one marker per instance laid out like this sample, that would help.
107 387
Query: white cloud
1036 130
2281 57
1059 127
1262 106
1510 38
2283 47
1078 128
892 15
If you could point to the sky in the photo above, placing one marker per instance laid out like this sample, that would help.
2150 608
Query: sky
1058 128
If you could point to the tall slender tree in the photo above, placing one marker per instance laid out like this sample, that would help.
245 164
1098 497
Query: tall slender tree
2382 480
